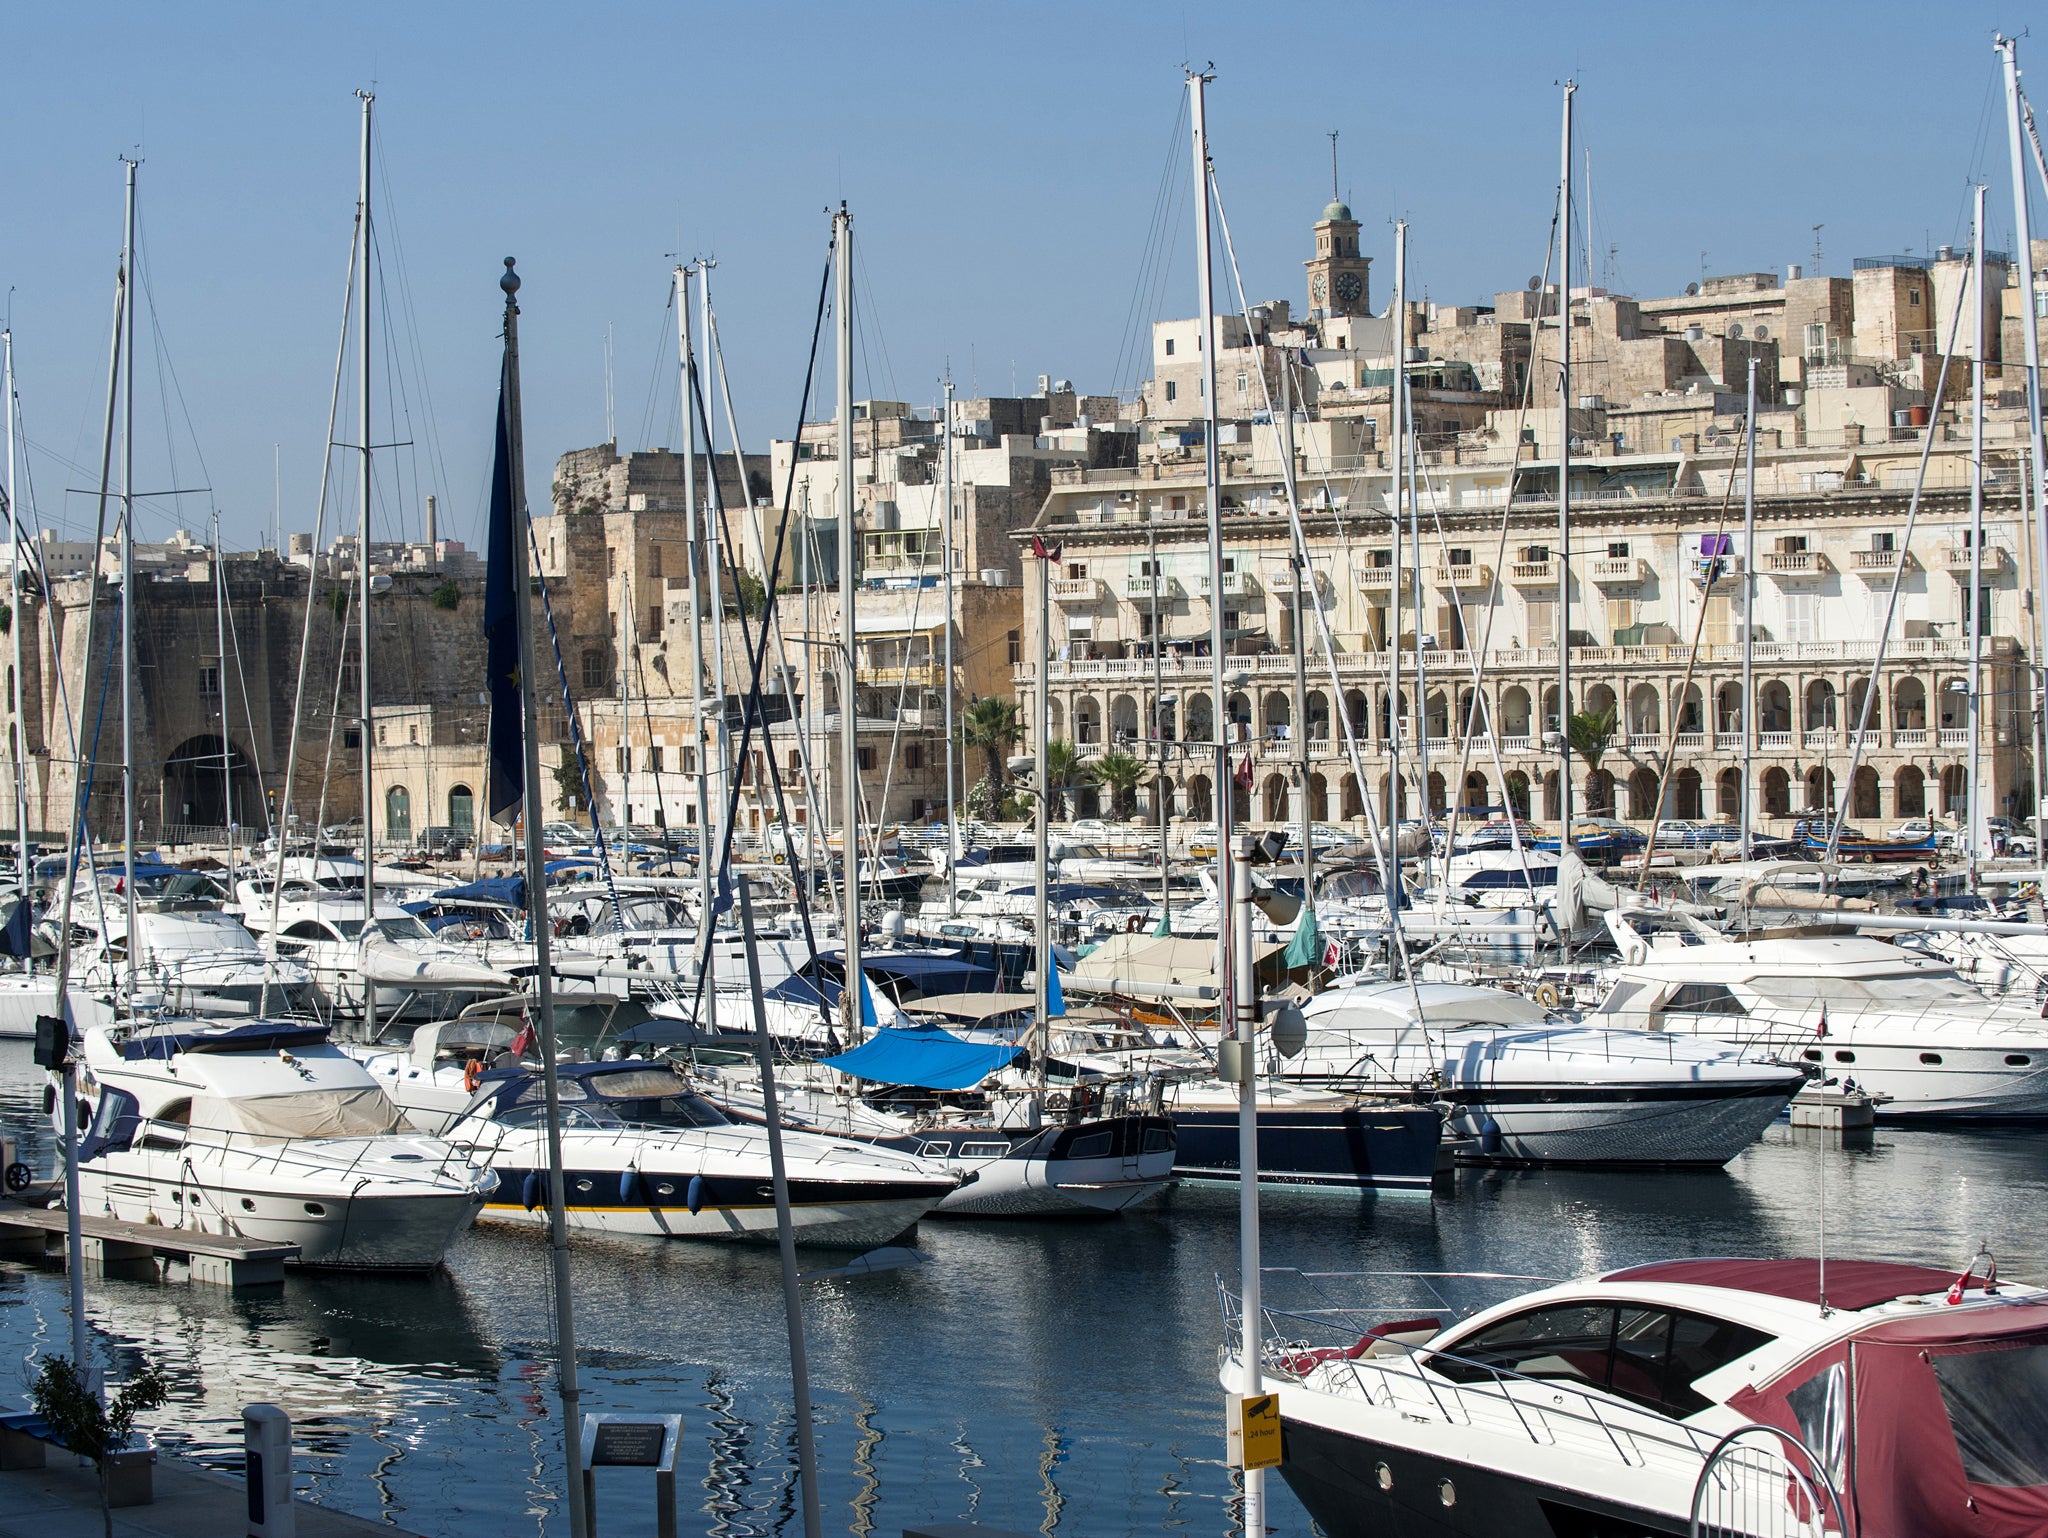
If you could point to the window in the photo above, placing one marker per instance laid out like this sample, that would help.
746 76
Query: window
867 759
611 560
1884 542
1536 555
595 674
412 731
1541 614
1913 298
462 809
654 561
380 734
623 758
654 758
1791 544
1997 1403
654 620
209 681
1461 558
1802 617
351 737
913 757
689 760
1016 646
1618 550
1243 383
1172 390
1169 353
1704 999
1077 569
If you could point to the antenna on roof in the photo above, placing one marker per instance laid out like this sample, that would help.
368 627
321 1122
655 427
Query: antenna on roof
1333 167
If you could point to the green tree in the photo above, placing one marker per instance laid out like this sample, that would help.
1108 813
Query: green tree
751 593
1590 734
87 1426
1062 770
994 726
447 596
1123 773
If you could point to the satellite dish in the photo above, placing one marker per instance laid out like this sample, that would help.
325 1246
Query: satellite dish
1691 289
1534 284
1290 1030
1735 331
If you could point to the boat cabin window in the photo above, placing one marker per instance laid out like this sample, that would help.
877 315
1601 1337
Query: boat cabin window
1997 1404
308 929
175 1113
405 927
1704 999
1648 1355
1904 991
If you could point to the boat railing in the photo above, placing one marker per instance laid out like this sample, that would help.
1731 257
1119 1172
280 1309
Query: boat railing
1763 1482
1398 1376
282 1155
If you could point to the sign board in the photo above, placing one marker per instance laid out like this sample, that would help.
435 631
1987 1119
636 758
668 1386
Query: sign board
1253 1431
628 1444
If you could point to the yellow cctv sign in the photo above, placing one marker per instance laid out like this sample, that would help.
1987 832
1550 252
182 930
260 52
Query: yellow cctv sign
1253 1431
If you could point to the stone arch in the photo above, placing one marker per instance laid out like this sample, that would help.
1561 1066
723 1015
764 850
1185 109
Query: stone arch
1909 792
1163 718
1859 689
1275 798
1952 703
1553 805
1240 800
1437 805
1318 713
1514 712
1955 791
1436 715
1201 721
1777 792
1642 794
462 809
1518 792
1471 713
1552 721
1773 706
1600 697
1123 717
1728 791
1275 711
1909 706
1690 707
1087 720
1863 800
1349 798
1820 789
1237 711
1728 708
1356 712
1821 715
1599 794
1475 793
1163 796
1689 795
209 783
1087 801
1056 717
1201 803
398 815
1645 715
1318 798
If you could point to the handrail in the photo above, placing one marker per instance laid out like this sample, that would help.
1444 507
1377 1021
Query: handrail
1808 1484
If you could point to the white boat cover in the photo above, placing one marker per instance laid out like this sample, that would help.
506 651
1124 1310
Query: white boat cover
308 1113
393 966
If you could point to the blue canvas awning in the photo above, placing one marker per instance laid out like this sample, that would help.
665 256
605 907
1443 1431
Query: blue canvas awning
925 1057
509 890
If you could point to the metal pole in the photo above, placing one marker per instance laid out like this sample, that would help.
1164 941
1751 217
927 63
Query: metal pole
1041 831
946 555
15 589
849 552
714 561
1158 727
1248 1105
2037 450
1397 432
785 1233
128 603
220 624
685 366
1748 614
368 733
1974 603
537 907
1303 576
1564 481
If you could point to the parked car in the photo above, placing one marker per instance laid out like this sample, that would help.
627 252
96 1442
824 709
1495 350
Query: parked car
442 843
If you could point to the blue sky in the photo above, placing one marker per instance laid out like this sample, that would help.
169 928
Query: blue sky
1003 165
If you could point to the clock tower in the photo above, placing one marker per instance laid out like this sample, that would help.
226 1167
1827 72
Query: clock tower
1339 279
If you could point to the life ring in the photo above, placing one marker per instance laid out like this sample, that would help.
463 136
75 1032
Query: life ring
1548 996
472 1076
1132 924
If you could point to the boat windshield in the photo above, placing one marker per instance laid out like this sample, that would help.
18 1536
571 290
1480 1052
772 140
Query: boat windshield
403 928
652 1097
1918 990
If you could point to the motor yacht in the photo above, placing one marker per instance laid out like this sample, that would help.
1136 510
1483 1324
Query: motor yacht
1899 1024
1525 1088
1764 1397
394 954
643 1154
266 1130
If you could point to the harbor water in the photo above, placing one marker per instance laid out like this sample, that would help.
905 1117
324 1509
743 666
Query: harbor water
1056 1377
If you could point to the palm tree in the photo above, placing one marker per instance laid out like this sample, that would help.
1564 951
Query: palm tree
1061 772
994 726
1123 773
1591 734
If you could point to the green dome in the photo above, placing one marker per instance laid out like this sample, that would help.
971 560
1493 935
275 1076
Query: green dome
1336 210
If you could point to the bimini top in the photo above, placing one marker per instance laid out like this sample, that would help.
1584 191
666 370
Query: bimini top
257 1036
1852 1284
923 1057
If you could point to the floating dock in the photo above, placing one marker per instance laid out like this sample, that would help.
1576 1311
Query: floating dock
112 1245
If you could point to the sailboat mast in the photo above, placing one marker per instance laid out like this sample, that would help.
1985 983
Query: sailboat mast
16 589
1564 480
368 734
1748 613
1239 991
2037 450
227 766
946 558
1397 432
1303 576
684 374
1974 604
714 558
128 595
536 902
849 550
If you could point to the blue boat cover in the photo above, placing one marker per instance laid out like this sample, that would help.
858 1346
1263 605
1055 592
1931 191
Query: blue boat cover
925 1057
257 1036
492 889
907 973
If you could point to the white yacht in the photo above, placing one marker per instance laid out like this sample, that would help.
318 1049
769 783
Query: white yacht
1765 1397
397 956
268 1131
1899 1024
195 961
1526 1088
642 1154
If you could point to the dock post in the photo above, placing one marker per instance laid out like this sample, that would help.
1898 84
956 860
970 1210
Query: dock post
267 1450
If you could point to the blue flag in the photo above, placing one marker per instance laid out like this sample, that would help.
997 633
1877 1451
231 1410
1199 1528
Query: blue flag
1055 997
868 1018
501 627
17 935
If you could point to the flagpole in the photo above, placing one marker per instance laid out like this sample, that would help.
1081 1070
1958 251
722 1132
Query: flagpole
508 508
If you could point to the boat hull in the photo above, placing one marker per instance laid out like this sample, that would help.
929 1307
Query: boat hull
1100 1168
1704 1124
1335 1475
837 1213
1353 1148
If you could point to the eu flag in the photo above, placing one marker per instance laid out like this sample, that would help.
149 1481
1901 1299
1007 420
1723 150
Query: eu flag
501 627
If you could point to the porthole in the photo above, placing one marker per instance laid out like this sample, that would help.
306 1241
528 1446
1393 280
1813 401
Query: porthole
664 1189
1813 1054
1845 1057
248 1205
1447 1492
316 1209
1931 1057
584 1187
2017 1060
1384 1475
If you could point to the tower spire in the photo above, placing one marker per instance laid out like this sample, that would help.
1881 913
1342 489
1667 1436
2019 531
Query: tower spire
1335 197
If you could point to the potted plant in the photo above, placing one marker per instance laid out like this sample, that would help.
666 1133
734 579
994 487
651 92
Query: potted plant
101 1430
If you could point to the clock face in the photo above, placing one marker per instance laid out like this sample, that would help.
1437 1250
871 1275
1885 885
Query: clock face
1348 287
1320 287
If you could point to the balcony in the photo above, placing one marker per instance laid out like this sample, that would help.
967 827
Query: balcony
1774 742
1954 737
1910 737
1881 565
1144 588
1992 561
1077 590
1281 579
1235 584
1373 578
1620 570
1465 574
1719 568
1796 563
903 675
1541 573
